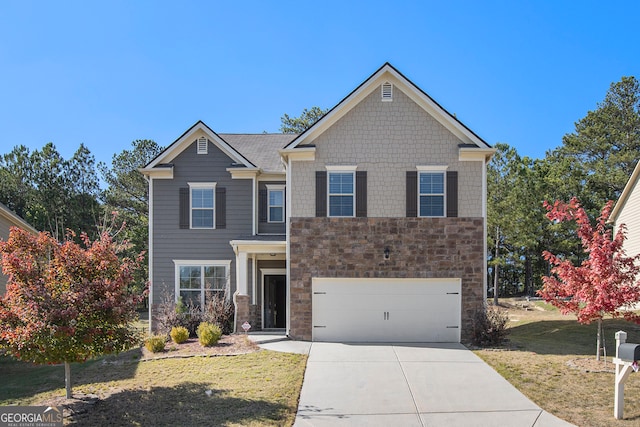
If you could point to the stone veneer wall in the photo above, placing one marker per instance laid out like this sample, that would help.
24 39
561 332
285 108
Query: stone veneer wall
353 248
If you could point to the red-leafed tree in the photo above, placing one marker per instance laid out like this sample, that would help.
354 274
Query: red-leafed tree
66 302
606 282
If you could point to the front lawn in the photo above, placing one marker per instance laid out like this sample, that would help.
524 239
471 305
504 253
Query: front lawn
549 359
256 389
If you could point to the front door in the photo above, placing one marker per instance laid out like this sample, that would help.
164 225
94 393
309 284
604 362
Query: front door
275 301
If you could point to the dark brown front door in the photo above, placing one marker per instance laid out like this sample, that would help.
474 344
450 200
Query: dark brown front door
275 301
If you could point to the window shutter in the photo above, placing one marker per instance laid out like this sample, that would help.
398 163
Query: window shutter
263 205
412 194
361 194
452 194
321 193
185 209
221 207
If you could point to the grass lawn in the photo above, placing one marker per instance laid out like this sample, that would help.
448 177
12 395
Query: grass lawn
255 389
543 344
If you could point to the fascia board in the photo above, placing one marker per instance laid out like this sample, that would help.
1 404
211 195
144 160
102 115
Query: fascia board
622 200
179 145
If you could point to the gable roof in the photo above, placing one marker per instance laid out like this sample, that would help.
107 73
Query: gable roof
14 219
388 73
622 200
186 139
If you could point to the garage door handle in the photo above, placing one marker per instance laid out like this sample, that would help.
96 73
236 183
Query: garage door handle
319 326
452 327
453 293
385 315
319 293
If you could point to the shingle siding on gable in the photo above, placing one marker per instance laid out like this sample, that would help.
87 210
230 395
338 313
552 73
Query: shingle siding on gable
630 215
172 243
387 139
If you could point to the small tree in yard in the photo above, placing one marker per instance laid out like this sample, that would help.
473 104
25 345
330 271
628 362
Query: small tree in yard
604 283
66 302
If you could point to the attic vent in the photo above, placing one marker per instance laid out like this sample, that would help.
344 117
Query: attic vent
387 91
202 145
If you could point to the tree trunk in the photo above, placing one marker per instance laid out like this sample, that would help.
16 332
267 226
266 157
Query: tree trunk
599 340
67 378
495 269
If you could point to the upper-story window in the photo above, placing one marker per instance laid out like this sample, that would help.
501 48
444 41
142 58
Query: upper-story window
275 198
202 204
431 193
341 192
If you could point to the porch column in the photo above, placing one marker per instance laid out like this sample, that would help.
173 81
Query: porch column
241 273
241 297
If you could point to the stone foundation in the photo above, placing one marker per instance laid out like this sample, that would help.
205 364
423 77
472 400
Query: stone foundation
242 311
354 248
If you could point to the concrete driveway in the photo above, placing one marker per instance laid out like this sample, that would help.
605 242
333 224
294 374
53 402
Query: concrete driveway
409 385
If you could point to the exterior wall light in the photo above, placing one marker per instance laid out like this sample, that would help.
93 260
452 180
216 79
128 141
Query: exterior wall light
387 253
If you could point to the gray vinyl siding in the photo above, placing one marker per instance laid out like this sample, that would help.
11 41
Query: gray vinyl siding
265 227
172 243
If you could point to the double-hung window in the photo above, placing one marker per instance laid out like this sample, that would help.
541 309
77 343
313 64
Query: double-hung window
275 198
198 281
341 192
431 193
202 196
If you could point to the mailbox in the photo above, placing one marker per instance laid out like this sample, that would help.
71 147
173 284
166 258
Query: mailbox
629 352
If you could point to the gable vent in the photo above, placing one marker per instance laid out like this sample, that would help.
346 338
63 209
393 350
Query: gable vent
202 145
387 91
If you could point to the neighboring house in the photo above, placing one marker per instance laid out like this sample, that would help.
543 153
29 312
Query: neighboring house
369 226
627 211
9 219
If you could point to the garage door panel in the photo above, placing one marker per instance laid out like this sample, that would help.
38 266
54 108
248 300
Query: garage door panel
386 310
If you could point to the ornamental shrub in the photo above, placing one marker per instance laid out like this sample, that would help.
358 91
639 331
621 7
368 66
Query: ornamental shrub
155 343
208 334
489 327
179 334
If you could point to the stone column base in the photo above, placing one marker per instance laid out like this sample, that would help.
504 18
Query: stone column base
242 311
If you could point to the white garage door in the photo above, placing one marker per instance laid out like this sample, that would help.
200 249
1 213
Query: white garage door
386 310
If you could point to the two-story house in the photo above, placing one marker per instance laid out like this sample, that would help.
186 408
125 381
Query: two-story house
9 219
369 226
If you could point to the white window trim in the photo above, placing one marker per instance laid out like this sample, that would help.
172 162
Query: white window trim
201 263
341 169
270 188
202 149
434 169
201 185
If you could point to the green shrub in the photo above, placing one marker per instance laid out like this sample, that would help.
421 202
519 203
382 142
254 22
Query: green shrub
208 334
179 334
489 327
155 343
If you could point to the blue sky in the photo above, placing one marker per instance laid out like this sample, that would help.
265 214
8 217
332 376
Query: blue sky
107 73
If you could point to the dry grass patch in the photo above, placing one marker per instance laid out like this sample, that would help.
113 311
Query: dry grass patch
256 389
551 359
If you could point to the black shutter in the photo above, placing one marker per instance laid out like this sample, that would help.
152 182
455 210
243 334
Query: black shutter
321 193
184 208
361 194
221 207
452 194
412 194
262 205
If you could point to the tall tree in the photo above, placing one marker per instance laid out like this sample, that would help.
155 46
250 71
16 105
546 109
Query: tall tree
16 180
603 283
128 194
301 123
602 152
65 302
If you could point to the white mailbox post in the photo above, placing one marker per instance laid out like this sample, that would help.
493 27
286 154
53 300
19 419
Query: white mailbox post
626 362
